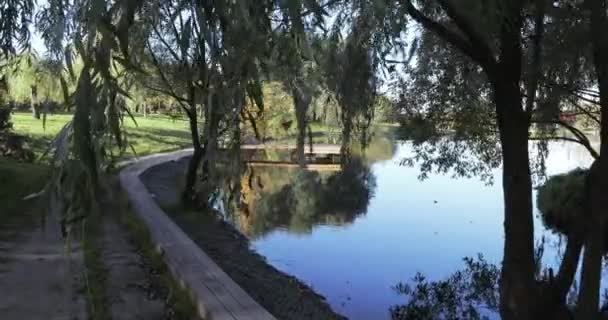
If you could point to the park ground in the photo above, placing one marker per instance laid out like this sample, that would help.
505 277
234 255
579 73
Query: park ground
110 266
101 273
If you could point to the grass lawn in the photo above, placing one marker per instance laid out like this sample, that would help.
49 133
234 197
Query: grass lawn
151 135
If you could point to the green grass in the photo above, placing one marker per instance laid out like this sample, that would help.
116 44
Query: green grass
150 135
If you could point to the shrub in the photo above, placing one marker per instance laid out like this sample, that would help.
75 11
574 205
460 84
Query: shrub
5 119
561 202
12 145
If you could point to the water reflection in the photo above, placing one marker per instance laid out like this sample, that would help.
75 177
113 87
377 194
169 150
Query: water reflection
297 200
352 237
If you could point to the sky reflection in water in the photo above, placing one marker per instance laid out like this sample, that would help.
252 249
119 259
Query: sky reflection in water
408 226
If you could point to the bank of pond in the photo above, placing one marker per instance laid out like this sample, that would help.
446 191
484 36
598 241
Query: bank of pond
354 241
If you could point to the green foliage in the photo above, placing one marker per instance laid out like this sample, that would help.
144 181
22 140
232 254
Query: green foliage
278 119
45 74
451 93
15 20
561 202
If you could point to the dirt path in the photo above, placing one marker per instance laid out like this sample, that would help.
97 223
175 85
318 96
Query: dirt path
129 289
39 279
133 283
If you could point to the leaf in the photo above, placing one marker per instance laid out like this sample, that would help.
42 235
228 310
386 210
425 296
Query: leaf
83 144
133 150
64 90
70 63
60 145
113 115
128 111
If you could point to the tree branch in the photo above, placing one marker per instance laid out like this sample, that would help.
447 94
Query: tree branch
586 112
479 52
581 138
172 93
164 42
539 26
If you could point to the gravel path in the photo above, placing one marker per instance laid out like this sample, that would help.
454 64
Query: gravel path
39 279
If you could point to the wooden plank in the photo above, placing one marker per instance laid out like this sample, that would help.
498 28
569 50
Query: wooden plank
316 148
311 166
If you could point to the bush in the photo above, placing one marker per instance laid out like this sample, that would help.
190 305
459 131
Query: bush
12 145
561 202
5 119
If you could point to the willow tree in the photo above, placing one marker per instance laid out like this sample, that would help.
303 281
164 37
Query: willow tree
15 20
294 60
97 32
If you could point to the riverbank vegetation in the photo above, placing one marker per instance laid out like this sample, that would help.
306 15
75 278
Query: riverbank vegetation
497 75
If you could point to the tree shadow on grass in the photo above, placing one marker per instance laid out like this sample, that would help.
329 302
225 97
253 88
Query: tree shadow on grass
185 135
155 142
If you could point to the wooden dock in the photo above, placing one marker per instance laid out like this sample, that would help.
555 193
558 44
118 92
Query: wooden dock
316 148
326 167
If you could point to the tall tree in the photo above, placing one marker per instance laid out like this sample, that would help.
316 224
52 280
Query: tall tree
501 61
597 183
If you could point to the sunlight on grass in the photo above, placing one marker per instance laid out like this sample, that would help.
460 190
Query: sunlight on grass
151 135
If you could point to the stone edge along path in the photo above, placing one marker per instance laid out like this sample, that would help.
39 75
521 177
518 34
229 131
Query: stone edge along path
217 296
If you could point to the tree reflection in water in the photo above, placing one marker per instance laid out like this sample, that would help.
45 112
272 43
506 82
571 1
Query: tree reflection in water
564 205
269 198
471 293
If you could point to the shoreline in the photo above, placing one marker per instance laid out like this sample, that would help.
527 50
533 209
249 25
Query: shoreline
283 295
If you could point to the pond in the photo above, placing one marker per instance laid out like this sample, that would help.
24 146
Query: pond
352 236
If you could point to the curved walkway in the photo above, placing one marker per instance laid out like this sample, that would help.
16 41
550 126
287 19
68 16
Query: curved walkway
218 297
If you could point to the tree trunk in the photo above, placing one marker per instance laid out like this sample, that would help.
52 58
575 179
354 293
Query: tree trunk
589 295
598 177
190 188
34 102
210 147
211 131
517 286
567 269
301 101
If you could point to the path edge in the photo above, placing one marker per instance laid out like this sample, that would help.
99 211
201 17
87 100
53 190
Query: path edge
216 295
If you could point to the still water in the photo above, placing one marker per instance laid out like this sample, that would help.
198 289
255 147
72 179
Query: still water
352 236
